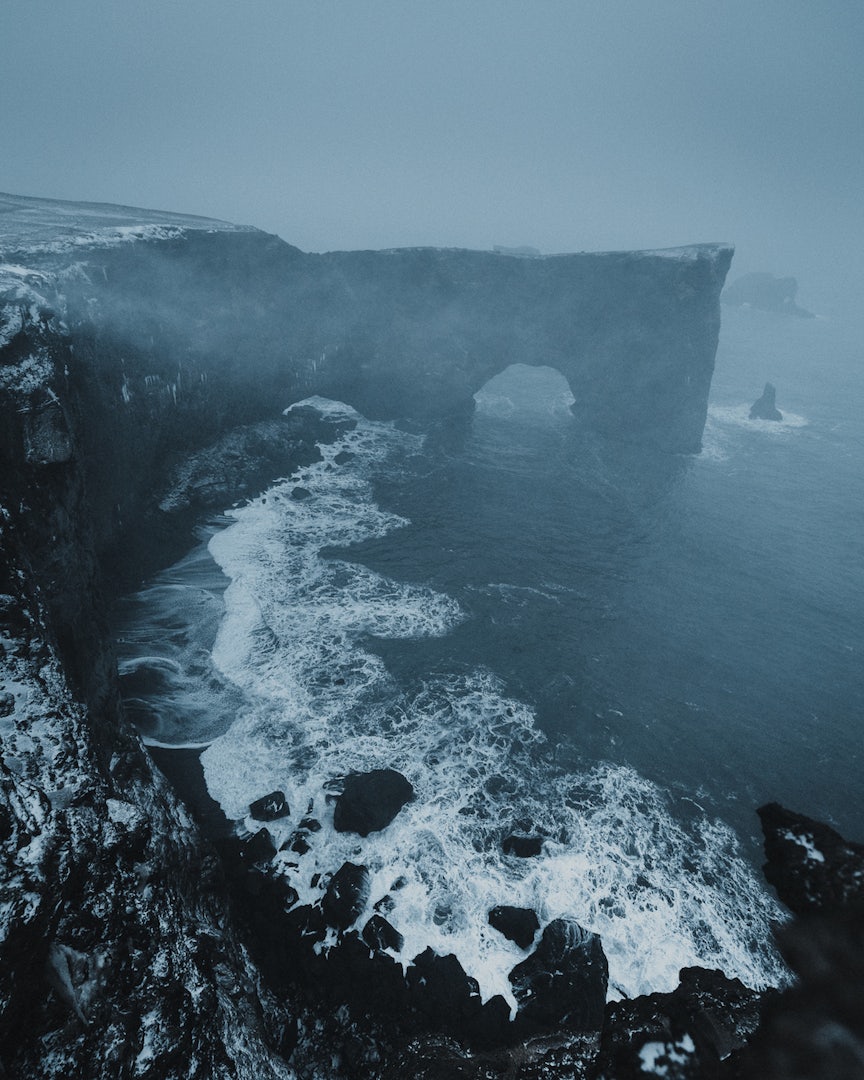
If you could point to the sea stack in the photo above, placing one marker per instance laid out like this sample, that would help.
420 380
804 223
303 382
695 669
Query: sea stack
765 408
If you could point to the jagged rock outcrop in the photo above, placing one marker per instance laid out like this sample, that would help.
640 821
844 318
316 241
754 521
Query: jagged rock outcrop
814 1029
765 408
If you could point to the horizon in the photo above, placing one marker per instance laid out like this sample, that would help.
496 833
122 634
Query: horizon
564 127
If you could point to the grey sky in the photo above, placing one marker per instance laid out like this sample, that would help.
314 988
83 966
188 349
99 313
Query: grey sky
372 123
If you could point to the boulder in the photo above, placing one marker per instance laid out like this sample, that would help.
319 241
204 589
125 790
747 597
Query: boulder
269 807
370 801
299 493
765 408
516 924
380 935
258 848
809 864
562 984
346 895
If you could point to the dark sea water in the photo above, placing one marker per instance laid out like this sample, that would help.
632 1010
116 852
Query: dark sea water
623 652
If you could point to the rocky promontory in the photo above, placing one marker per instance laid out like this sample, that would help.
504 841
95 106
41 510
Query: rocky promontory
145 360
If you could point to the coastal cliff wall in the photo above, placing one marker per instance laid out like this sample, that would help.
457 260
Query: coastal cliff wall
126 345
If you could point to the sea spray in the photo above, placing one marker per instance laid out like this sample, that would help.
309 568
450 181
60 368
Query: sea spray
317 705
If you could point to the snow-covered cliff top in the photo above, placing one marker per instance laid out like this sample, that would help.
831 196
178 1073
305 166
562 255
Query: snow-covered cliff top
49 226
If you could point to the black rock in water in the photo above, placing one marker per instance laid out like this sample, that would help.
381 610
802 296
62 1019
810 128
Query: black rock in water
346 895
765 408
524 847
517 924
269 807
299 493
370 801
563 982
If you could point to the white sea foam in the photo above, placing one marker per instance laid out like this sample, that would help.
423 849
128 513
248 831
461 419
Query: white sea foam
662 895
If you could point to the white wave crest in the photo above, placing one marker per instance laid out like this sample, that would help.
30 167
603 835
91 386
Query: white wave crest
318 705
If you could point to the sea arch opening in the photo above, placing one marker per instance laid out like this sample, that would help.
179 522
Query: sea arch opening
526 393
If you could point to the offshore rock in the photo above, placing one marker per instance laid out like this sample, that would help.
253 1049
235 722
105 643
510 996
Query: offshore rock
370 801
518 925
562 984
765 408
765 291
269 807
809 864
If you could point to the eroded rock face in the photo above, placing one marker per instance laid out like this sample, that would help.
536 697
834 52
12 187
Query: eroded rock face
115 959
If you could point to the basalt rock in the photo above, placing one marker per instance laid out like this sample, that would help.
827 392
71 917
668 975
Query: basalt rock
809 864
518 925
370 801
765 408
346 895
685 1034
269 807
145 360
562 984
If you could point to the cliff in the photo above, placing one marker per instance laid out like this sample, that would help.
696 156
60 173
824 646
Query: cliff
130 342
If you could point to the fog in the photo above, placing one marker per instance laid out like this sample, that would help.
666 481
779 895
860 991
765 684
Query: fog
376 123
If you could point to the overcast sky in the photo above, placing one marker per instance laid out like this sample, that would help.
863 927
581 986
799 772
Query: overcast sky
373 123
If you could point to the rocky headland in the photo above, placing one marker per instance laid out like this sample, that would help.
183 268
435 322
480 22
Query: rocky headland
145 360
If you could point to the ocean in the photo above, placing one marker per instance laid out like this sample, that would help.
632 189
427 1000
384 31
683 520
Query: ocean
548 633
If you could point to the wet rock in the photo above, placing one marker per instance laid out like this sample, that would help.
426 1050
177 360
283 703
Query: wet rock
269 807
380 935
300 493
765 408
517 924
346 895
258 848
524 847
441 996
563 982
343 457
370 801
685 1034
297 843
809 864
